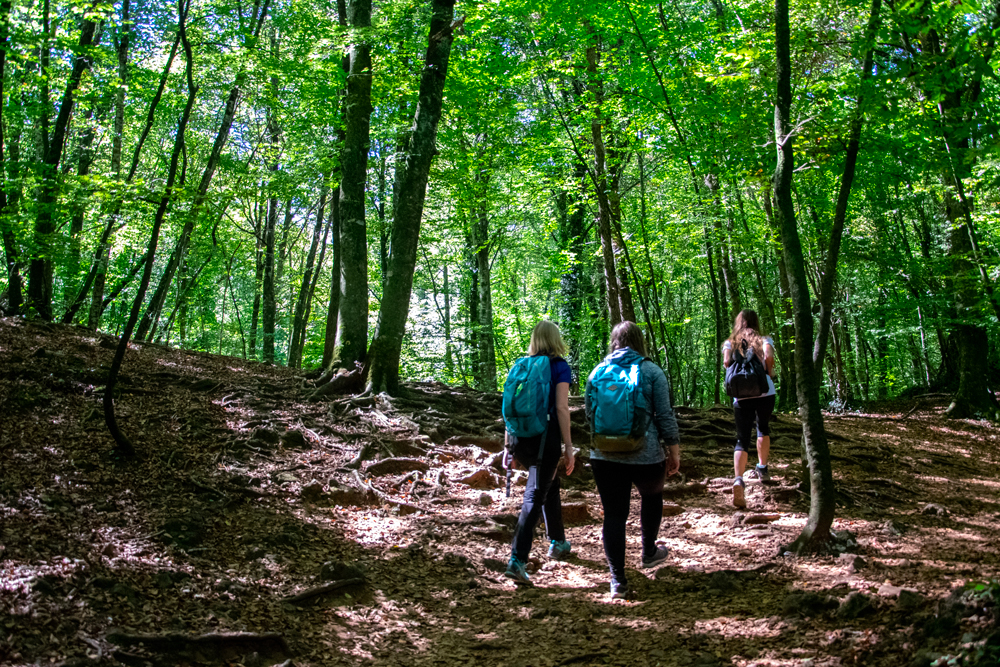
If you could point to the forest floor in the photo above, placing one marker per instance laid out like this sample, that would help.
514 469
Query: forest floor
387 517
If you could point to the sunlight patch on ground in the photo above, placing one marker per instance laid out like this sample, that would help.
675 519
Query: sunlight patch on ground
735 628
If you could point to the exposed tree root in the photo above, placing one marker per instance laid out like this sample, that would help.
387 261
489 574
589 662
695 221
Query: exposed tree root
321 590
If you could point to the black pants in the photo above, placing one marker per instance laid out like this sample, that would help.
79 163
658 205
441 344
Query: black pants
614 484
746 410
541 499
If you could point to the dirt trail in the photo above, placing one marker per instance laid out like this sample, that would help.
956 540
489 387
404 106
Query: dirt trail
249 494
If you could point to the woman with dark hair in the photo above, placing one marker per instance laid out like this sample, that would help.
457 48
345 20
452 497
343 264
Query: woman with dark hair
747 336
656 453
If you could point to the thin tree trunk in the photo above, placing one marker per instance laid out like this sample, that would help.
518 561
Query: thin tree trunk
816 533
383 357
15 297
270 227
333 306
40 268
97 277
487 374
298 323
825 296
201 194
123 445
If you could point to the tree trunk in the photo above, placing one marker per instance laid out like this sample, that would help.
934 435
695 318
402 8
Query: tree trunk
352 333
825 295
816 533
40 268
201 194
333 307
388 342
11 251
487 374
259 224
572 239
123 445
268 300
298 323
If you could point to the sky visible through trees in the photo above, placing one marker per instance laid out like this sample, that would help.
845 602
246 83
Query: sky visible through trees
305 169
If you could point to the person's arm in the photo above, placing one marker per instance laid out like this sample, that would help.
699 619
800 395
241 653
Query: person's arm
727 355
666 422
562 416
769 358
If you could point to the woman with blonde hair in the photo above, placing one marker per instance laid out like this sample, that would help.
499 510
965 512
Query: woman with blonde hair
747 336
541 455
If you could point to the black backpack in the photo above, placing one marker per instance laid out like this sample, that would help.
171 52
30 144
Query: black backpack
746 377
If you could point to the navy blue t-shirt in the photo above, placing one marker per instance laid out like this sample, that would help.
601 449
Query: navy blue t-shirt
561 372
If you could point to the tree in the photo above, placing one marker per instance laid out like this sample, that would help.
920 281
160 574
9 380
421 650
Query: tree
352 322
384 353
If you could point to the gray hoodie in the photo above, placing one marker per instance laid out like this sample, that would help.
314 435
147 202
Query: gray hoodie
662 426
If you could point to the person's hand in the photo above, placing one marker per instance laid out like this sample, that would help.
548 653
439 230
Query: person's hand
508 460
673 460
570 456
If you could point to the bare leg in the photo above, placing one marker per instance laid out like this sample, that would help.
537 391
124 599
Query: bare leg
740 462
763 449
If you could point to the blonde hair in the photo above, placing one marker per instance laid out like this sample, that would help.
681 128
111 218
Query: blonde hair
546 339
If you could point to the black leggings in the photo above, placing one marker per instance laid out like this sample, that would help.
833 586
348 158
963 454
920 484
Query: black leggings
614 484
541 500
746 410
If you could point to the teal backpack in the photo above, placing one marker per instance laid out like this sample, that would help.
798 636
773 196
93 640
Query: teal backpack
526 396
619 416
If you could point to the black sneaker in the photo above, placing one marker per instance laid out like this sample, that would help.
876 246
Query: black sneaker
657 558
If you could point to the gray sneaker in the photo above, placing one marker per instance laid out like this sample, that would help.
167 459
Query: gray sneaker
759 474
657 558
739 494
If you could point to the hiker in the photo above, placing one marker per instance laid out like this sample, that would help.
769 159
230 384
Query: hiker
545 365
635 442
746 338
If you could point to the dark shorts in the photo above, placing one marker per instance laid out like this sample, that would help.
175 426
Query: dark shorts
747 411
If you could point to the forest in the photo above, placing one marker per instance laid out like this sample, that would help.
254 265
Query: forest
280 256
287 182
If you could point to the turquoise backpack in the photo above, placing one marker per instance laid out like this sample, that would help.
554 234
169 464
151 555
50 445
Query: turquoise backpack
618 410
526 396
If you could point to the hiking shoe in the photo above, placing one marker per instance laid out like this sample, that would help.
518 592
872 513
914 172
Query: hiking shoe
760 474
619 590
516 571
656 558
559 550
739 494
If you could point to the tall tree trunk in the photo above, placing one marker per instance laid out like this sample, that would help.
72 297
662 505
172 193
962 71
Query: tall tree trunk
487 375
352 332
268 307
333 306
259 224
388 341
816 532
298 323
11 251
123 445
40 268
201 194
572 239
97 276
825 296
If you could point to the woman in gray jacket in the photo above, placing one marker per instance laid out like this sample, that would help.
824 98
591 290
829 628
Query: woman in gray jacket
657 456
